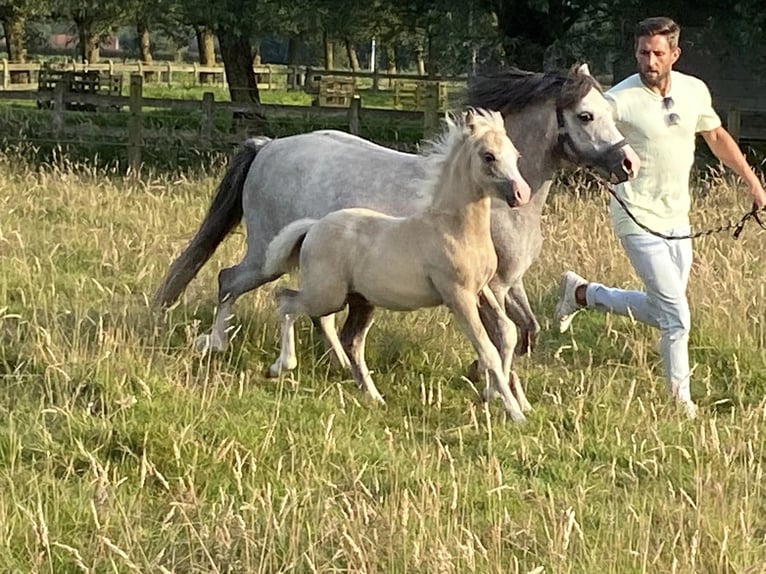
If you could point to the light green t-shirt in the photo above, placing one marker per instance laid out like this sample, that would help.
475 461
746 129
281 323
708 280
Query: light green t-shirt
659 197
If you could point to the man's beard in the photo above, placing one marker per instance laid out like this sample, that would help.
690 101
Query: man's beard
651 79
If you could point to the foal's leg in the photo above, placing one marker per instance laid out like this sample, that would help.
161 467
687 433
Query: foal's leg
322 295
464 305
327 325
287 359
352 337
493 310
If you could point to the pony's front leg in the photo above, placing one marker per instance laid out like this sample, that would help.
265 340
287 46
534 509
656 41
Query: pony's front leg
492 310
464 306
287 359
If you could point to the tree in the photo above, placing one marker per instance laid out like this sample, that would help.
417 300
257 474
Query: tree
528 28
94 19
13 15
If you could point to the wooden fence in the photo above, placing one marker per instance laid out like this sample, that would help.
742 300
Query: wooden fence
353 118
269 76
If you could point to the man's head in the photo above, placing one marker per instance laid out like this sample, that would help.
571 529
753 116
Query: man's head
656 49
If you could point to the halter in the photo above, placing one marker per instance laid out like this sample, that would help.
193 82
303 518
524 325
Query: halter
565 139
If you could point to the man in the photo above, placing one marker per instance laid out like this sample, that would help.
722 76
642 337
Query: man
659 111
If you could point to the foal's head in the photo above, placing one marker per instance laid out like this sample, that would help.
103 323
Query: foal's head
493 157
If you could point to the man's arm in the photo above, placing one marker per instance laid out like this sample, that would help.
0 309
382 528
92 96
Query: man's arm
726 149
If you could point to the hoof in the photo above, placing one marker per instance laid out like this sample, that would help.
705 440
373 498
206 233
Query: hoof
518 418
525 406
278 368
209 343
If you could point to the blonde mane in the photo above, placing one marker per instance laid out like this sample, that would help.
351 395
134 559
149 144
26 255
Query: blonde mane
437 150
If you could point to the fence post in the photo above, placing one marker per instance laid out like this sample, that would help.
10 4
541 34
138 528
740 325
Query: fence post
135 123
353 114
58 107
208 117
170 74
6 74
734 124
195 68
430 109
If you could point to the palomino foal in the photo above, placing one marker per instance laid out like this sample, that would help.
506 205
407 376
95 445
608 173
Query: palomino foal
365 258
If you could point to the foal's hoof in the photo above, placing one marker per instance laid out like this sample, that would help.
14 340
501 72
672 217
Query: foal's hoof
518 418
210 343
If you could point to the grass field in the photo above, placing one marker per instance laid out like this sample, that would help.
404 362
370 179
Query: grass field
123 451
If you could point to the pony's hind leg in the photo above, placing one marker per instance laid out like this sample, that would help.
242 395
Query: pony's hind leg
287 359
327 325
352 337
464 306
232 283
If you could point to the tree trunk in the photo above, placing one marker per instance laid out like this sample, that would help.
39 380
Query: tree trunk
432 67
420 58
237 55
390 62
293 51
353 57
88 46
13 26
145 47
329 52
206 47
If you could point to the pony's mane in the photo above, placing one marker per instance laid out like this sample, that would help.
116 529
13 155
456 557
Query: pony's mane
437 150
513 90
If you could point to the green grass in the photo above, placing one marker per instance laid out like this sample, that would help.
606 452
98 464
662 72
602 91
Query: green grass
121 450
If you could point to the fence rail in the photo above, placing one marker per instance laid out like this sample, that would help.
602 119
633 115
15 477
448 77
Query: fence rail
136 133
269 76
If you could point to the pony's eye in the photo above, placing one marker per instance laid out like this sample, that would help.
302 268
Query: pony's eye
585 117
488 157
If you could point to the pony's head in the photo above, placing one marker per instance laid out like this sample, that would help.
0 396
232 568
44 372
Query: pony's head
588 134
493 157
580 124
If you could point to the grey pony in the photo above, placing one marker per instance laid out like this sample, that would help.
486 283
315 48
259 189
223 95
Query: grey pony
552 118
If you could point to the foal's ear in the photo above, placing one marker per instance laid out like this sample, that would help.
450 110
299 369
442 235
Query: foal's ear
584 70
469 117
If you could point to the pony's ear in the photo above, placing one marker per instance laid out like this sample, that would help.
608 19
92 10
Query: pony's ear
584 70
468 119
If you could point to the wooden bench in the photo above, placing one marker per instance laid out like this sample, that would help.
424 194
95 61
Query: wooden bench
413 94
336 91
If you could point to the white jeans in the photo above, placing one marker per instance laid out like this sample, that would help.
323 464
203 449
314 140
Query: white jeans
663 266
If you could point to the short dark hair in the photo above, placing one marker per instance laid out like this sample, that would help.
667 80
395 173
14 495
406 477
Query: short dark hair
659 26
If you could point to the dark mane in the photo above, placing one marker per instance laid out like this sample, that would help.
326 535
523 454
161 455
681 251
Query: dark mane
513 90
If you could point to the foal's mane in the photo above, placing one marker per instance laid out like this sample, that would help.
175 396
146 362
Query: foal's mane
437 150
513 90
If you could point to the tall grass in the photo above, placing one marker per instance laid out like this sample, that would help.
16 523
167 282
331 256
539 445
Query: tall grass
121 450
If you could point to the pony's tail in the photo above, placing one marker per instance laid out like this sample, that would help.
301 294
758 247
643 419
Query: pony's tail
223 215
283 251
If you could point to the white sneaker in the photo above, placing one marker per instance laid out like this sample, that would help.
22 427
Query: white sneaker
567 306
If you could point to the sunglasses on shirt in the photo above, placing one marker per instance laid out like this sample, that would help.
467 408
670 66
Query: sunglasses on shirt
672 118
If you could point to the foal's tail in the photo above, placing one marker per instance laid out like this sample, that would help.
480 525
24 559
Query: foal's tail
282 253
223 215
